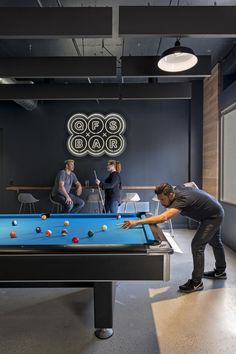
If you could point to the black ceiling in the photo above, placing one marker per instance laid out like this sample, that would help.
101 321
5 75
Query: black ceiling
117 46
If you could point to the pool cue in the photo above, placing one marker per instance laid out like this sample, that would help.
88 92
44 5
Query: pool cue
100 193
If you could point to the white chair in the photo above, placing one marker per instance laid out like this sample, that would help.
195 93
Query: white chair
55 205
130 198
155 199
27 199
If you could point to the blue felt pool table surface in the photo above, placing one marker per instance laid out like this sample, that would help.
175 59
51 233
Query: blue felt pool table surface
79 225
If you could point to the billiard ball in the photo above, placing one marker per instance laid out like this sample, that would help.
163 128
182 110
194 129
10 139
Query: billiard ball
118 216
48 232
75 240
64 232
43 217
104 227
38 230
90 233
14 223
66 223
13 234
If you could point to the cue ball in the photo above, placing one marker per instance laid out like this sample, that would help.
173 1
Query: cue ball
66 223
14 223
43 217
64 232
104 227
118 216
90 233
75 240
38 230
48 232
13 234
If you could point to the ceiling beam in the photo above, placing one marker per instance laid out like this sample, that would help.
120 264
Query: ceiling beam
53 22
57 67
157 91
178 21
142 66
95 91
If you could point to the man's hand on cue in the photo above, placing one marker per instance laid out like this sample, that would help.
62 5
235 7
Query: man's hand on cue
129 223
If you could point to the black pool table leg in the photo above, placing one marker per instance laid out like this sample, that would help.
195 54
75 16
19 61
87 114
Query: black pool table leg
104 296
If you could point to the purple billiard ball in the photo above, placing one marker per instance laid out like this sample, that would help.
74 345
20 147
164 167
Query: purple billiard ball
118 216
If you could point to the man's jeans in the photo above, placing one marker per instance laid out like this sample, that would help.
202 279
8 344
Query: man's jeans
74 207
209 231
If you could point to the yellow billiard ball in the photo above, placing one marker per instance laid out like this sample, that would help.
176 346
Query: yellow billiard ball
66 223
104 227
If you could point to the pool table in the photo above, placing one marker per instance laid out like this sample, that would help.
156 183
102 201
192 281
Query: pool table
33 259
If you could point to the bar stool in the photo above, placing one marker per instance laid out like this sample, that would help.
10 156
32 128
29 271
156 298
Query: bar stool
130 198
27 199
156 212
94 199
55 205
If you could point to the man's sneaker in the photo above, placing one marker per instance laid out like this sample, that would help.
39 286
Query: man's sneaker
213 274
191 286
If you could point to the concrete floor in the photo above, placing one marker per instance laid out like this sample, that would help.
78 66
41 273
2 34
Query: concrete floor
149 318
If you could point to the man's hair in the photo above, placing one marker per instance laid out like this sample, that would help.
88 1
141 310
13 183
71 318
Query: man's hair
69 160
164 188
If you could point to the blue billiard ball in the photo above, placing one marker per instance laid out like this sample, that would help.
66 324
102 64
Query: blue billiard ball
14 223
90 233
38 230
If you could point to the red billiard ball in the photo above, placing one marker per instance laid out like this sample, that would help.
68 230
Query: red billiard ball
13 234
48 232
64 232
75 240
118 216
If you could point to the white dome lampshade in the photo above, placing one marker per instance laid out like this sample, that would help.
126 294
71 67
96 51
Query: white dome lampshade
177 59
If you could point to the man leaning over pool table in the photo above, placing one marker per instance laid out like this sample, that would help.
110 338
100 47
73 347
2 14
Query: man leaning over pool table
192 202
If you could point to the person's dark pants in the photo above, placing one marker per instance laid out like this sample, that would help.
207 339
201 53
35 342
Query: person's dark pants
111 206
73 208
209 231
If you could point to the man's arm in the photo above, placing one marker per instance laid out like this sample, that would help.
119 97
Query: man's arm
64 192
156 219
78 188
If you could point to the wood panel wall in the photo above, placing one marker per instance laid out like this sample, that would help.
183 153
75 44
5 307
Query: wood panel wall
211 132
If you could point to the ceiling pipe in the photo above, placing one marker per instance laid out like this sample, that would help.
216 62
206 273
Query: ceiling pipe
29 105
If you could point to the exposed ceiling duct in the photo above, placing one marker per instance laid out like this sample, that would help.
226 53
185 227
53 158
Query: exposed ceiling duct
29 105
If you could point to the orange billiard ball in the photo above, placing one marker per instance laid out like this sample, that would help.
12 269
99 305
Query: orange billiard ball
13 234
48 232
43 217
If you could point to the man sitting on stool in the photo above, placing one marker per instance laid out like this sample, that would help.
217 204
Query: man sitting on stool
61 192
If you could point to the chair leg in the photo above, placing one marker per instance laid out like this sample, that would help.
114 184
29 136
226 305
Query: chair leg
125 207
135 207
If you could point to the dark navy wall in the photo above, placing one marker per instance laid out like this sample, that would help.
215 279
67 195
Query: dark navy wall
34 144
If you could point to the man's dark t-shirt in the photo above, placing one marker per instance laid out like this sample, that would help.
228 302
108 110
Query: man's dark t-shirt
196 204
